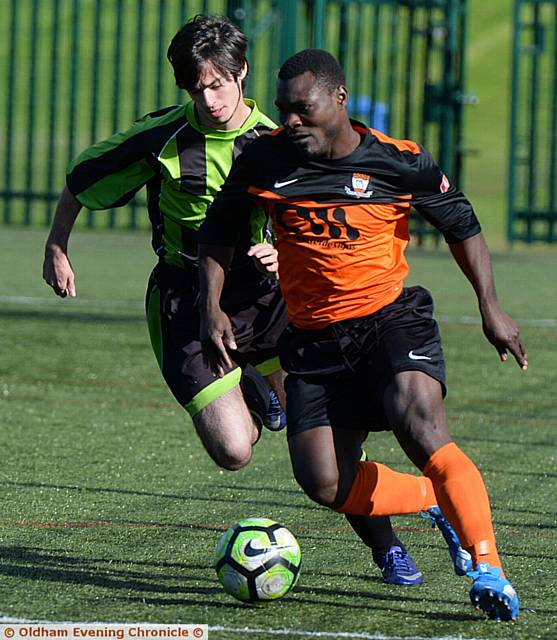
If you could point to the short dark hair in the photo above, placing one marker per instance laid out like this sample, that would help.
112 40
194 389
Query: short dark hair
324 66
213 39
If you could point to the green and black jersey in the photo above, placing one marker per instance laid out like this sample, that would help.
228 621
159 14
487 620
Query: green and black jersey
182 164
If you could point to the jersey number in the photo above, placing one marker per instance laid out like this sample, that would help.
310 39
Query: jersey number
319 220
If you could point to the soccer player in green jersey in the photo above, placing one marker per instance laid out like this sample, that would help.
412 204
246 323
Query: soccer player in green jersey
182 154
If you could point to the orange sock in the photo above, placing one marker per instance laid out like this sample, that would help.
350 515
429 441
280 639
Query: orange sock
380 491
462 496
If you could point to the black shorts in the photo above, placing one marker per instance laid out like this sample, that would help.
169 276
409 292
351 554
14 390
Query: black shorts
256 310
337 375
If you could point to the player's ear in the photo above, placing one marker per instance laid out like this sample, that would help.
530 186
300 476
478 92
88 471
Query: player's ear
342 96
243 73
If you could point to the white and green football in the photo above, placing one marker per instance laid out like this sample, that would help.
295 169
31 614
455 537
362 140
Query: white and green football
258 560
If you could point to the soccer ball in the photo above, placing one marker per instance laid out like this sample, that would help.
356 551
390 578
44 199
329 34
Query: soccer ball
257 560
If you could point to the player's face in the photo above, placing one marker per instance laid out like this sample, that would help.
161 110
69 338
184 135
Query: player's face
219 99
311 115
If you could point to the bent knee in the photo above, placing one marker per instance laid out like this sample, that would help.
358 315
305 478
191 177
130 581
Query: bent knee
231 458
320 489
228 452
227 431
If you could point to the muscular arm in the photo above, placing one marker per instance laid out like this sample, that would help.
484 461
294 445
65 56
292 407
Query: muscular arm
472 256
57 269
215 328
227 225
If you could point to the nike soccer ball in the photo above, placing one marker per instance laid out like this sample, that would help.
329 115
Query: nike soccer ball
257 560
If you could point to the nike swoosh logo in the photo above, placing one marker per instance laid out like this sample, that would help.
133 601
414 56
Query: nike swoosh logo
279 185
414 356
252 552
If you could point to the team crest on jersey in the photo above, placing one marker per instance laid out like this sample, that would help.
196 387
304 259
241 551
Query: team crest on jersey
445 184
360 183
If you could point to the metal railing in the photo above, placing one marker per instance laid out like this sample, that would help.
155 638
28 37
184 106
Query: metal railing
75 71
532 172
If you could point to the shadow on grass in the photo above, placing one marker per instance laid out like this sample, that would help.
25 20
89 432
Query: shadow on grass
534 512
341 600
406 595
257 488
533 556
249 500
520 473
43 565
40 565
531 527
185 602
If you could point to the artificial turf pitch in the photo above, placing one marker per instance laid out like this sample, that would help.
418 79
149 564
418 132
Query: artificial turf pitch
111 509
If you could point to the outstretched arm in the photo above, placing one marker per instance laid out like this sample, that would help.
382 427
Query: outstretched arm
472 256
57 269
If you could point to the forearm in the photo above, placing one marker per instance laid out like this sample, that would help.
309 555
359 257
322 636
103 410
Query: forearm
67 210
473 258
214 262
57 270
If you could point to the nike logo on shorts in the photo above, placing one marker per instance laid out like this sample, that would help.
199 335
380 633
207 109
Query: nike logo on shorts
279 184
415 356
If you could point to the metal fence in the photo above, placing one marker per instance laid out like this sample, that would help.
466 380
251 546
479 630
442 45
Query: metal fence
74 71
532 209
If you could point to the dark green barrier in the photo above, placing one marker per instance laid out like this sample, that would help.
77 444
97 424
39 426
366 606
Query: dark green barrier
532 212
75 71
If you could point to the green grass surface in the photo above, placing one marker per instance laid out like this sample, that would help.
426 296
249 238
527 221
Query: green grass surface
111 509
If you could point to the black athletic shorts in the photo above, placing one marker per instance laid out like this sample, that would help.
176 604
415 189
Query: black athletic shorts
337 375
256 310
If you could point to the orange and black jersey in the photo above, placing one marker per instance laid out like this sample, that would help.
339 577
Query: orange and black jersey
341 224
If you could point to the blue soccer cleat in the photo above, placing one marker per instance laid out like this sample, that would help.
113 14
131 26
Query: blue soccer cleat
275 418
462 560
492 593
261 400
398 567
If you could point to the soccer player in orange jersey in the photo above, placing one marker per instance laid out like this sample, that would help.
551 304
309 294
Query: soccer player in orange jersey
362 351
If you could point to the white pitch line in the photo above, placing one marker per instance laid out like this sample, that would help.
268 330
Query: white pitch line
331 634
245 630
134 305
526 322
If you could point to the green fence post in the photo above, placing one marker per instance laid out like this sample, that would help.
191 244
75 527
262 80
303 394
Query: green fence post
31 110
511 189
10 96
319 7
52 111
289 29
552 174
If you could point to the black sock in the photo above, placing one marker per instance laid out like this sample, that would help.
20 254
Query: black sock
256 392
375 532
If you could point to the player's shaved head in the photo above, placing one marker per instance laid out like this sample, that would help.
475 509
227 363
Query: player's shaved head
324 66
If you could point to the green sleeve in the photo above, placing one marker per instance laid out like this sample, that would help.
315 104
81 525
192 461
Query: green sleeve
109 173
